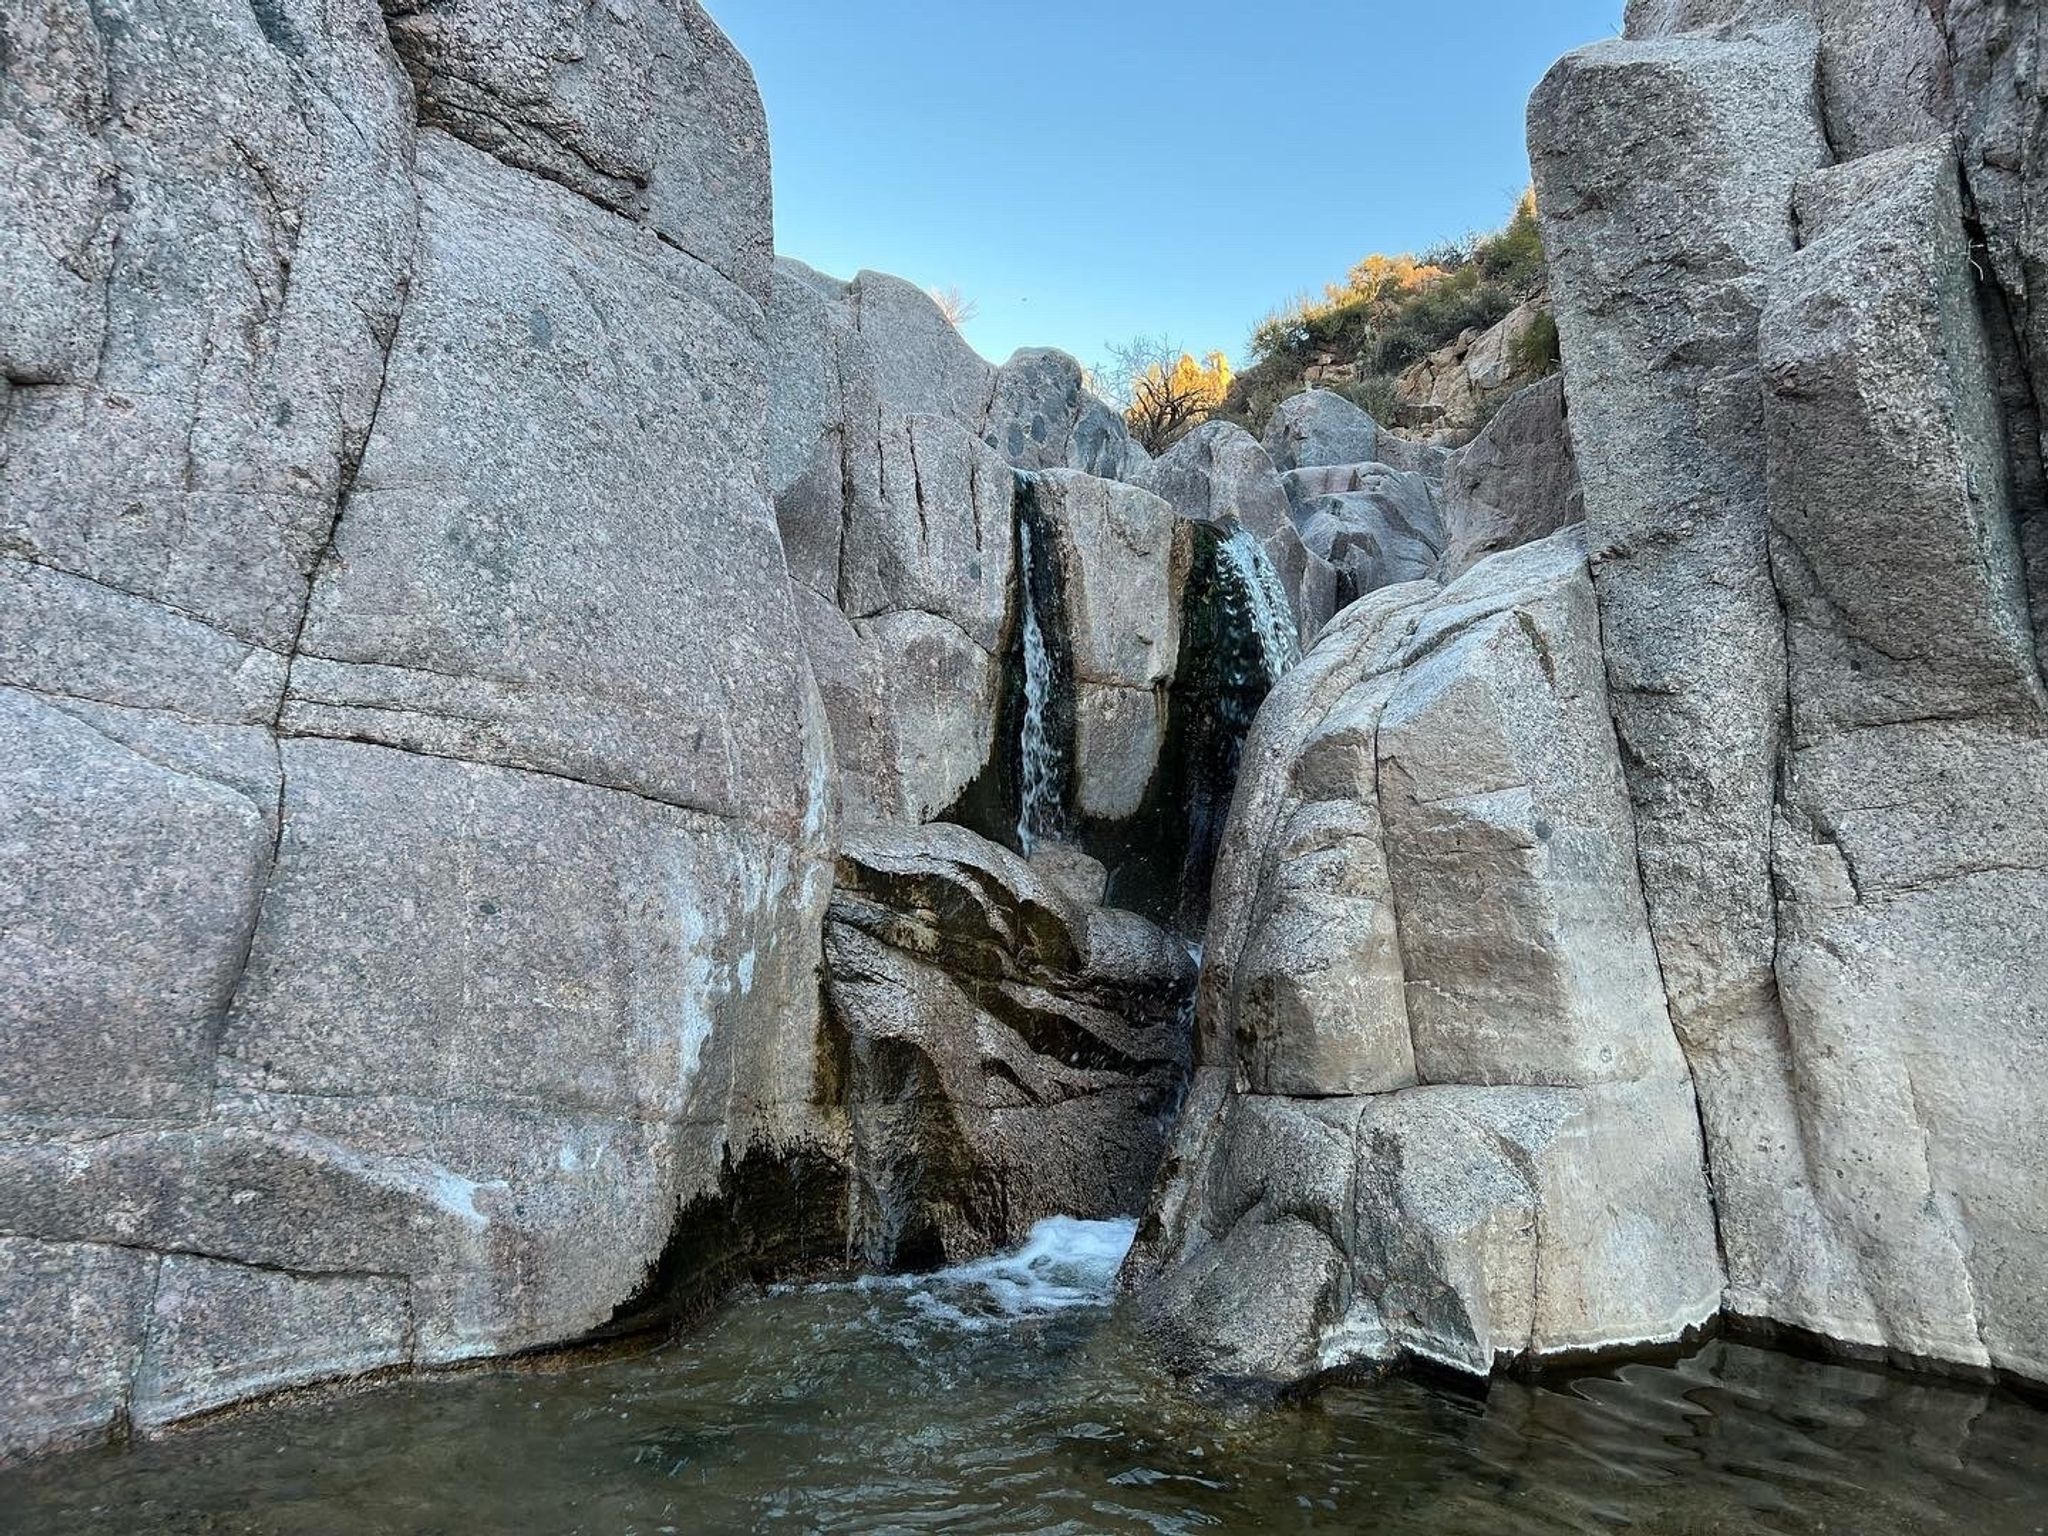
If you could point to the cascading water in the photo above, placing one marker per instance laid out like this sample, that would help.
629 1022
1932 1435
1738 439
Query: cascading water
1266 607
1041 790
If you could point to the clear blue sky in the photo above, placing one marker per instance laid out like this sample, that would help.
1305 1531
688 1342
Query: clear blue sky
1091 170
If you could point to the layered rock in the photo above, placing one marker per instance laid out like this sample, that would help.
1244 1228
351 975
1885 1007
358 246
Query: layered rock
1439 1110
1011 1050
418 881
1801 405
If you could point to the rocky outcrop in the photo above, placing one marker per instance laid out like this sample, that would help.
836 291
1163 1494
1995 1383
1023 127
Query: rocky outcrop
1516 482
1123 561
1218 474
415 869
1803 415
1011 1050
1318 428
1375 525
1452 393
1439 1110
893 449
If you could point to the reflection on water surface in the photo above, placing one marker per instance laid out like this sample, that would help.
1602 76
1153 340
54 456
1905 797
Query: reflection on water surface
1006 1397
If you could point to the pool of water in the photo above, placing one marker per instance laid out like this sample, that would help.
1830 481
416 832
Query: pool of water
1009 1397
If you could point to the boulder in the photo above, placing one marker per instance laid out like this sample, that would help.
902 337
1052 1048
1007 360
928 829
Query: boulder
1377 526
1011 1051
1440 1112
1218 474
1123 559
641 106
1318 427
899 529
1887 75
1044 417
1911 855
1517 482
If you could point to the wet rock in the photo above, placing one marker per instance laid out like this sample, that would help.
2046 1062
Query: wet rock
1124 558
1011 1051
1219 474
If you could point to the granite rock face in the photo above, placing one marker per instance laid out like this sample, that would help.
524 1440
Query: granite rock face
893 458
1803 404
1514 483
1220 475
1375 525
1123 558
1439 1110
1012 1051
419 890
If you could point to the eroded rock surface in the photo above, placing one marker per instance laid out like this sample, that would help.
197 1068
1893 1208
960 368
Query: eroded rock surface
1805 417
1012 1051
1516 482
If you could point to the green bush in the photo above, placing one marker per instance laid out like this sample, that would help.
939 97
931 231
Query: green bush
1392 312
1536 349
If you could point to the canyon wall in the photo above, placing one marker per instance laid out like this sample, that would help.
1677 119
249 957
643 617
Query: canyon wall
417 798
556 762
1748 794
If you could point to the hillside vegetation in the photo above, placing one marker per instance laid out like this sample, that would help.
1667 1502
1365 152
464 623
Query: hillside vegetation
1391 312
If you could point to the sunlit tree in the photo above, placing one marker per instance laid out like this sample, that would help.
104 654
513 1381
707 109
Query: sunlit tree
1165 391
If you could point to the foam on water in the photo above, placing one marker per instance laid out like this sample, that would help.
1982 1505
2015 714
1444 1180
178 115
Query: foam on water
1065 1264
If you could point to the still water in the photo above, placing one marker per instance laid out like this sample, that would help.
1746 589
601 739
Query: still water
1006 1397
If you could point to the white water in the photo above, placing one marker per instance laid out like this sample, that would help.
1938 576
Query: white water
1065 1264
1266 604
1039 801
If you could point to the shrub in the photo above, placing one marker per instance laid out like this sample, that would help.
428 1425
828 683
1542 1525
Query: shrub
1536 349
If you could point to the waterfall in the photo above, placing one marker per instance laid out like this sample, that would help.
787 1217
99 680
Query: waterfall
1266 606
1040 799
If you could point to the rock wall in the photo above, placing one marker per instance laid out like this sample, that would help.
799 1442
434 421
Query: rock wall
417 828
1792 249
1012 1049
1800 357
